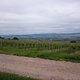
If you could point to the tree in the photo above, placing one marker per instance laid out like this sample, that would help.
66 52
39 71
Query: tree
1 37
15 38
73 41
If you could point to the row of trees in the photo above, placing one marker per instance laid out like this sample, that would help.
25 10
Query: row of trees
14 38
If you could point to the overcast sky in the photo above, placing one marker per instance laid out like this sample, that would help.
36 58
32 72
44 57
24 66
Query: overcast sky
39 16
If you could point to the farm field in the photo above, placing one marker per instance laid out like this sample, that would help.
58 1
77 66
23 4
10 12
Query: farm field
43 49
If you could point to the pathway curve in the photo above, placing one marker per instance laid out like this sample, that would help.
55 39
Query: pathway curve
40 68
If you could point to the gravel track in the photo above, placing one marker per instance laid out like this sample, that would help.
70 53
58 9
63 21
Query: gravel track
40 68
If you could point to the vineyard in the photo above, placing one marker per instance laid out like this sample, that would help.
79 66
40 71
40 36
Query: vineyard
43 49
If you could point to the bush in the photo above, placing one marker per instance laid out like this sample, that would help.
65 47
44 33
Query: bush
1 37
15 38
73 41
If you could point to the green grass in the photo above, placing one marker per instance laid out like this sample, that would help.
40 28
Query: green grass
8 76
46 50
61 56
58 55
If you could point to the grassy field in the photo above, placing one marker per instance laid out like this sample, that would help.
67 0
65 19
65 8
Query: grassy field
7 76
48 50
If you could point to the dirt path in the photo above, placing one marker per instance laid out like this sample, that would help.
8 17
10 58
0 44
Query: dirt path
40 68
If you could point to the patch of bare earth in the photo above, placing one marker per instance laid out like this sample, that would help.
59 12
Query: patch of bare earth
40 68
77 53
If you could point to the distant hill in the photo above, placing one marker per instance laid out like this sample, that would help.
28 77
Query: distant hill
48 36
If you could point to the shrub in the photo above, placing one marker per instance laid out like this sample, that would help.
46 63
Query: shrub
15 38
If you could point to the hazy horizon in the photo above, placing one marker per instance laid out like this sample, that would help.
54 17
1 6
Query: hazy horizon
39 16
37 34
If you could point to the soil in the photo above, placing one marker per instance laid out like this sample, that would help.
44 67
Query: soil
40 68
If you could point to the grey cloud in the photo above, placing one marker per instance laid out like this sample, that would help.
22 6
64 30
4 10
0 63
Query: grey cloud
39 16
